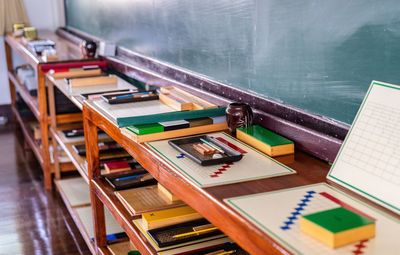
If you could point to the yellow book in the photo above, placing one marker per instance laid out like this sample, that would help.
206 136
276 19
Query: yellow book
169 217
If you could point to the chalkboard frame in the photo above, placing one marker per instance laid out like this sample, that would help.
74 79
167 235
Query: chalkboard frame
315 134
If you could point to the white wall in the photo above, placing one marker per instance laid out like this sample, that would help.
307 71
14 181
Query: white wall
43 14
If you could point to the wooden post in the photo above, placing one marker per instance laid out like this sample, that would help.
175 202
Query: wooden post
44 127
92 157
53 125
10 68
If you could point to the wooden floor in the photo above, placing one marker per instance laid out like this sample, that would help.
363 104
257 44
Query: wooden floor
32 221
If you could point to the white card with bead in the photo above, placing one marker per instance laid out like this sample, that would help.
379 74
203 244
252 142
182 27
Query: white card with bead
281 221
254 164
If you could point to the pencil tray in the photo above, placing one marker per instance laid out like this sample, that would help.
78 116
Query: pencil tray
129 97
185 146
165 236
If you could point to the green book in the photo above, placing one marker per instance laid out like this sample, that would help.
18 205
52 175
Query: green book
264 135
169 116
146 129
338 219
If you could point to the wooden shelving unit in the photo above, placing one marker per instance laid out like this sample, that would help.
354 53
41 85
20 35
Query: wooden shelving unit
207 201
58 139
67 52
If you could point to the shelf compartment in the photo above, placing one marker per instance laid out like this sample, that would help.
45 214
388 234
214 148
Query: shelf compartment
30 100
81 211
78 161
106 194
28 135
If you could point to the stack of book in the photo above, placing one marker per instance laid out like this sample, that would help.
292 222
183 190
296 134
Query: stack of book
170 129
167 113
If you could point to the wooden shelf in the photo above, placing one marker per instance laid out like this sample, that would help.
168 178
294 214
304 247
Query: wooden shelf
66 50
78 210
74 216
106 194
28 135
207 201
30 100
78 161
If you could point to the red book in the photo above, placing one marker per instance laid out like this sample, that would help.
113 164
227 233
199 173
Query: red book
116 166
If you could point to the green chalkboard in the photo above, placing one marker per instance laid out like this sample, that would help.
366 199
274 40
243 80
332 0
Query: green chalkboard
316 55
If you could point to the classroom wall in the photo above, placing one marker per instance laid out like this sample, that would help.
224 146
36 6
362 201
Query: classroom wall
43 14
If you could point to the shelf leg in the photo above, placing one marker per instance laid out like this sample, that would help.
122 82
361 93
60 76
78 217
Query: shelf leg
53 124
44 128
10 67
92 157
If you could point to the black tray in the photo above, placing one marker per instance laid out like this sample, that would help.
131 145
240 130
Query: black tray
126 182
99 94
164 236
184 145
126 97
220 248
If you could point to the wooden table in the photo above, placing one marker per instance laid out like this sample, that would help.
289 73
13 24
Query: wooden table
207 201
67 52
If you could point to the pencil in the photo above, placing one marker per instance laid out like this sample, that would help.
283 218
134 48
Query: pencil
225 252
198 232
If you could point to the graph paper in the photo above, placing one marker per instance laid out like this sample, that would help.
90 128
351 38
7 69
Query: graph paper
369 160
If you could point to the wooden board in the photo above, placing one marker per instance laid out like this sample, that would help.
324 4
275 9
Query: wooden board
254 165
132 109
110 80
76 190
145 199
121 248
77 91
76 73
182 100
277 214
174 133
85 217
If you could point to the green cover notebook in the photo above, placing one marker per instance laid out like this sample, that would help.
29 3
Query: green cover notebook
146 129
338 219
264 135
169 116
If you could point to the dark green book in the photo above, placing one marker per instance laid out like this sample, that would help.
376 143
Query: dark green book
170 116
265 140
338 227
146 129
338 219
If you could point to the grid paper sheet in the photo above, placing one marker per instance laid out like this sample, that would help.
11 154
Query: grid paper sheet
277 213
254 164
369 160
116 111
